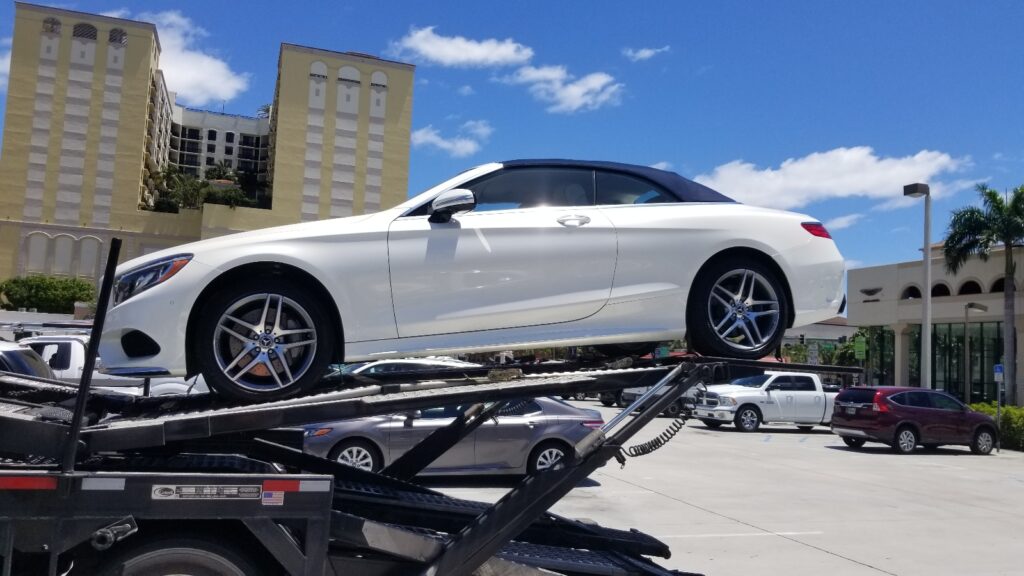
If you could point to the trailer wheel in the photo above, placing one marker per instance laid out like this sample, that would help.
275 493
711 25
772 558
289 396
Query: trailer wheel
169 556
264 339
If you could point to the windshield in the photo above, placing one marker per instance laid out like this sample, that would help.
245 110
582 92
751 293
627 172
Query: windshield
751 381
350 368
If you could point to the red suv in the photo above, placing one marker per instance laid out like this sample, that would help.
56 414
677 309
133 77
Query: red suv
907 417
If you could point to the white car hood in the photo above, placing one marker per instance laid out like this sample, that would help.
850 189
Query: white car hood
351 225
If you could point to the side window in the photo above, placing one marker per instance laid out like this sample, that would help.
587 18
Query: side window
943 402
614 189
520 408
450 411
532 187
58 356
783 383
900 399
803 384
918 400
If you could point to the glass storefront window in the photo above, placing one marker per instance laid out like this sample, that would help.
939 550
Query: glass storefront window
986 341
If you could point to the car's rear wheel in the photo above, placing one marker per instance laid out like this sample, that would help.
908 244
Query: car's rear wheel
905 440
711 423
983 442
546 455
357 454
737 309
748 419
853 442
674 409
266 339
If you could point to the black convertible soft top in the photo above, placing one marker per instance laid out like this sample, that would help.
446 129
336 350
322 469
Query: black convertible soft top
687 190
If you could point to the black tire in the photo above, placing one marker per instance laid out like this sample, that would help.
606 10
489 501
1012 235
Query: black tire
193 555
748 419
620 402
355 452
540 456
983 441
805 428
267 379
906 440
931 447
853 442
674 409
579 396
704 311
610 399
712 423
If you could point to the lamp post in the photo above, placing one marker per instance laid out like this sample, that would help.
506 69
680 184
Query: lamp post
916 191
967 348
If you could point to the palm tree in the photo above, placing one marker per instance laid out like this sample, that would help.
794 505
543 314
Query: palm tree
220 171
976 231
264 111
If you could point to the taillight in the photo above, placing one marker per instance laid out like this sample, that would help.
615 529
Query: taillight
816 229
593 424
880 404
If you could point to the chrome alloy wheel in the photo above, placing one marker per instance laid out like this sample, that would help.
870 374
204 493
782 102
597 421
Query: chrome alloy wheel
356 457
744 309
984 443
264 342
549 457
907 440
748 419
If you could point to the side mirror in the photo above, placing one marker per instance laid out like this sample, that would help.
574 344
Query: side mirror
772 387
450 202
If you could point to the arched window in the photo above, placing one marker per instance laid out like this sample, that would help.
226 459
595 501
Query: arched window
911 293
940 289
51 26
318 70
89 254
87 31
969 287
348 74
38 244
63 253
999 285
379 79
118 37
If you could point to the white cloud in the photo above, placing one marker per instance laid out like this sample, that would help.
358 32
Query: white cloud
117 13
479 129
662 165
566 93
472 135
198 77
465 90
837 173
5 62
840 222
457 51
643 53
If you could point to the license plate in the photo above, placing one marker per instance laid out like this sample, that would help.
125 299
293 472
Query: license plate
851 410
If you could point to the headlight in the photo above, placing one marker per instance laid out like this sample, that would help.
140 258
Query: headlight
315 432
146 276
726 401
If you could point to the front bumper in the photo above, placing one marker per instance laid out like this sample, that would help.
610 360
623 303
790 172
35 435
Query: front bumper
719 413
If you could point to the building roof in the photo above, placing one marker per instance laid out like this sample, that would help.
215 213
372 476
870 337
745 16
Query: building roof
688 190
350 55
90 15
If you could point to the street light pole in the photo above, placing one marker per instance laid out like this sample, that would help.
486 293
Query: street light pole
967 348
916 191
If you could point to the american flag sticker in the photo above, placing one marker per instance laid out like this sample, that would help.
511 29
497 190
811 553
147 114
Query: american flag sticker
273 498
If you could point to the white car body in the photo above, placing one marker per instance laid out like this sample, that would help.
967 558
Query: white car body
493 280
777 399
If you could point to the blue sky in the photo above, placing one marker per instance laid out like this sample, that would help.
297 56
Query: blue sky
822 107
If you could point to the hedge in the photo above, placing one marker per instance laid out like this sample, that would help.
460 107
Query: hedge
46 293
1011 425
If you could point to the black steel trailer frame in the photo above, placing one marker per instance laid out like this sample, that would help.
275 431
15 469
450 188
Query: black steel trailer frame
89 479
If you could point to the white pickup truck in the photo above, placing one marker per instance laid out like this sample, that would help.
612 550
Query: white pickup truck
65 353
792 397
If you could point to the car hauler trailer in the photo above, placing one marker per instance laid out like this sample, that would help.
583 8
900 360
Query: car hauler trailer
105 483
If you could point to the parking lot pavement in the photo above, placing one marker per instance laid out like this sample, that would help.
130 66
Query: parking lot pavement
781 501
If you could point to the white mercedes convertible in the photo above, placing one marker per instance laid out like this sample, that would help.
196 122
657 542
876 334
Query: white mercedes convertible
513 255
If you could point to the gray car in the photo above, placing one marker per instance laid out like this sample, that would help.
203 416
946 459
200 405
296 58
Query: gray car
526 436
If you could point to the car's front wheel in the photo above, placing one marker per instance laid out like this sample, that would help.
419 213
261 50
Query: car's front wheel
737 309
264 340
983 442
748 419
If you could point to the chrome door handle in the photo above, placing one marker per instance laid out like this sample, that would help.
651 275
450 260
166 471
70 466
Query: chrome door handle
573 220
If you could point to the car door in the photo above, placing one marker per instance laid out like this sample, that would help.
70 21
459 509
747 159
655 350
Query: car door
808 401
58 356
948 416
504 442
917 409
782 393
535 250
408 430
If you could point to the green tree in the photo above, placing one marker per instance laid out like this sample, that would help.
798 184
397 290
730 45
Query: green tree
46 293
220 171
264 111
975 231
190 192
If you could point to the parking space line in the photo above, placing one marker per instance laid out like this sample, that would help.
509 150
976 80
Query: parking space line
742 534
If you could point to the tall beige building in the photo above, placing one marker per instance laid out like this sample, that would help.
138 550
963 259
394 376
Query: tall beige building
90 121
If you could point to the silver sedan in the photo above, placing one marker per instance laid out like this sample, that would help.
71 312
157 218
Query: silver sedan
525 437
